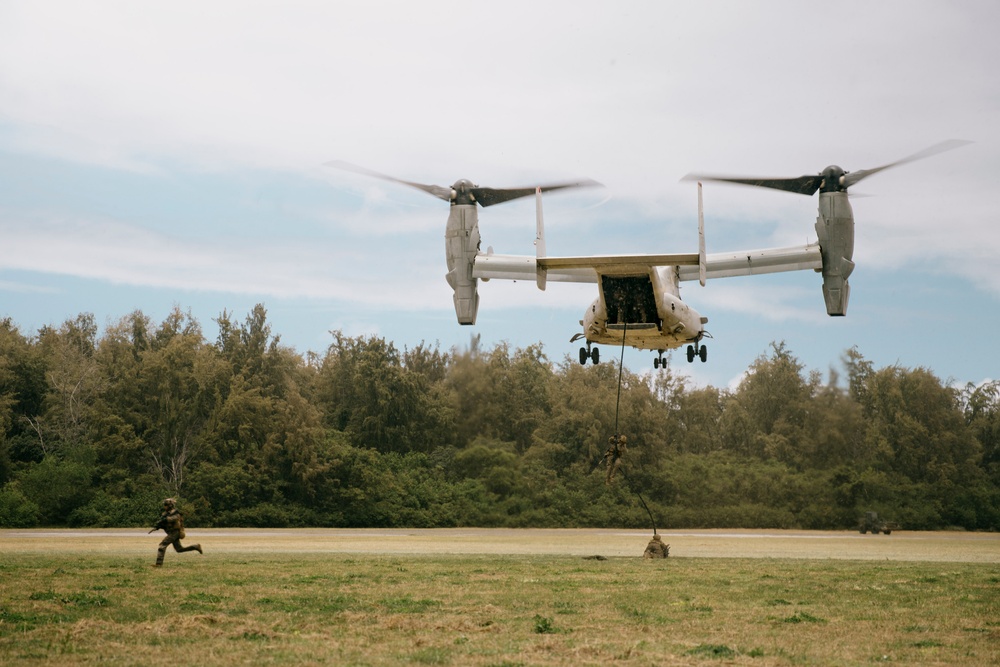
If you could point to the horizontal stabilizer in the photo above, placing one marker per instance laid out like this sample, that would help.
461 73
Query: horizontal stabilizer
604 261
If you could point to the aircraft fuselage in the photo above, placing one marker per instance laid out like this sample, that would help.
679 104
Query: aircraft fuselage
645 308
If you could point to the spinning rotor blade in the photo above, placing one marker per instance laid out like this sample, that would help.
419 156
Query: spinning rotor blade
854 176
447 194
464 192
803 185
491 196
832 178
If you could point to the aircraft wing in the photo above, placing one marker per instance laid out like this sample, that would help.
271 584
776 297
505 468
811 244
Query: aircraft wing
757 262
585 269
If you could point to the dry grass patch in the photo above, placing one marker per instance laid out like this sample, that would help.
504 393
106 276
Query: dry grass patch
345 609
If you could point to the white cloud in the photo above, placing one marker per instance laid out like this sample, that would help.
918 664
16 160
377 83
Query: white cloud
128 254
772 302
633 95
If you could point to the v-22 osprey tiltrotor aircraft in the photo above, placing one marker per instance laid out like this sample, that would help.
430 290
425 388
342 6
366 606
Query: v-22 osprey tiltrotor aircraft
638 301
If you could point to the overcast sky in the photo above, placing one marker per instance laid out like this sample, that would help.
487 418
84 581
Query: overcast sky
162 154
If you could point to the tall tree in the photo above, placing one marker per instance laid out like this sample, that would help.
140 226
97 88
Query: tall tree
74 383
981 405
364 389
766 414
22 390
699 412
177 385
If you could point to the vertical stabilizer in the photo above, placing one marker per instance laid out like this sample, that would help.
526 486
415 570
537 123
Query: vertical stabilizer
701 239
540 273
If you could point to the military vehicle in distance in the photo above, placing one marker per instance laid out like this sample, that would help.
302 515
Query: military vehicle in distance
872 523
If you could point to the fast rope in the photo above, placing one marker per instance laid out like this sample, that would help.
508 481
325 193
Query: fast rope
638 495
618 403
621 368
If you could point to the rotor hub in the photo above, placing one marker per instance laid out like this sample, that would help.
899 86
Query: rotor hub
462 192
833 179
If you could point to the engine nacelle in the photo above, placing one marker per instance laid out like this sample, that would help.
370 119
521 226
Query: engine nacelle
835 229
461 245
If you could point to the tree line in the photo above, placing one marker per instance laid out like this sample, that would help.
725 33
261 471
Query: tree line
97 427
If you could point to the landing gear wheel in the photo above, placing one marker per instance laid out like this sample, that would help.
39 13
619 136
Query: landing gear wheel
697 350
583 356
659 361
656 362
588 353
595 355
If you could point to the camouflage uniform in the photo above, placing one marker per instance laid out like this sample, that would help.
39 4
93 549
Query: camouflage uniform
656 548
173 523
613 457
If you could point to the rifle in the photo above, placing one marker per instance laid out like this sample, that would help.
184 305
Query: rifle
161 524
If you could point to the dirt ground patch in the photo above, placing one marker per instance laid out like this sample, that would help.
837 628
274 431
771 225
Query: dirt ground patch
900 546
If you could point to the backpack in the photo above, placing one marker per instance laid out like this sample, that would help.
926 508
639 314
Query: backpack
175 521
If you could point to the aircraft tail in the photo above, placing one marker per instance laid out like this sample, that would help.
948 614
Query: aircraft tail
540 273
701 239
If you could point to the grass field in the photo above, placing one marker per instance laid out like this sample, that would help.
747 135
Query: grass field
468 597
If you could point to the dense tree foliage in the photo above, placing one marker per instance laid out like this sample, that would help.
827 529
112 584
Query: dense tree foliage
97 427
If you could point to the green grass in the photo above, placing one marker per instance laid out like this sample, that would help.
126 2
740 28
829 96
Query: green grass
494 610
